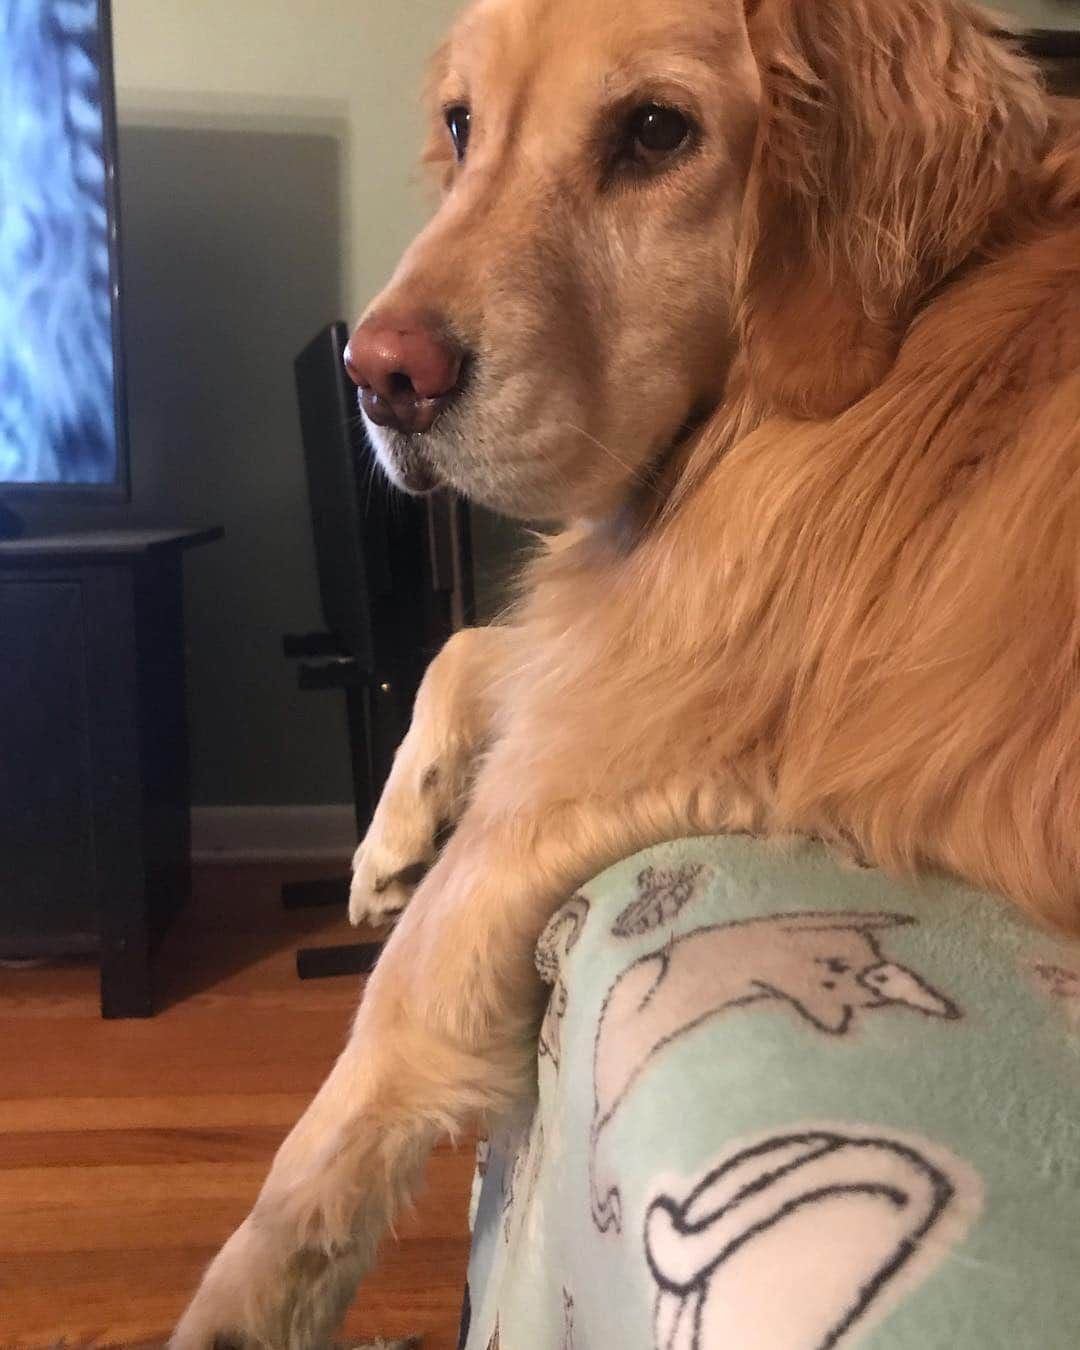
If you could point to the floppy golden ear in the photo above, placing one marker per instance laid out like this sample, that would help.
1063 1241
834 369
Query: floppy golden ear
892 132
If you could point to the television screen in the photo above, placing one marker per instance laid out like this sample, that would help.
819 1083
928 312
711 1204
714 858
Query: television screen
59 379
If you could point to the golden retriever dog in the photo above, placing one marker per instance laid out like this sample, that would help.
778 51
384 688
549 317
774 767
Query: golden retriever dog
775 305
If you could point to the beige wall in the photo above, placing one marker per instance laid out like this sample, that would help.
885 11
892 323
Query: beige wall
353 65
1042 13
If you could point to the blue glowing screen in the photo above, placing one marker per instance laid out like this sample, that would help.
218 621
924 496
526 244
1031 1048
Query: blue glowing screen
57 378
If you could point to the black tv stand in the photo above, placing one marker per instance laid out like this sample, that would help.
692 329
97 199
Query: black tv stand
94 820
12 526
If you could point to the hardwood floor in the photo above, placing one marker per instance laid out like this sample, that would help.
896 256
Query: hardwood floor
129 1150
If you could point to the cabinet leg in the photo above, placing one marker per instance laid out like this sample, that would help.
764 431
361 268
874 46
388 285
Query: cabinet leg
126 985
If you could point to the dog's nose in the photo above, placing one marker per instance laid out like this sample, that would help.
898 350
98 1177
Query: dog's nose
406 369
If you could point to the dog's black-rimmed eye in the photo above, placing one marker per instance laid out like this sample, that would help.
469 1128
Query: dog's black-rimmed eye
459 124
654 133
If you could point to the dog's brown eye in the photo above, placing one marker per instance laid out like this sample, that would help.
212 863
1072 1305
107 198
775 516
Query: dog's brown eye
459 122
656 132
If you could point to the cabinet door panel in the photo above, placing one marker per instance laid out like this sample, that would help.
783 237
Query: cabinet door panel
46 837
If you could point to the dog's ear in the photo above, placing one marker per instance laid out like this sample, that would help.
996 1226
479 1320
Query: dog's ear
891 134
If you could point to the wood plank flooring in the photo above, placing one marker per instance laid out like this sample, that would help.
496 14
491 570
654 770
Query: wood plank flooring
130 1150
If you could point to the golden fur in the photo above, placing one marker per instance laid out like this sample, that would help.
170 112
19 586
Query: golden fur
846 605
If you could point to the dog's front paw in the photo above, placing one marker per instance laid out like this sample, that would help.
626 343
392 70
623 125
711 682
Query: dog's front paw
239 1304
385 876
263 1293
190 1336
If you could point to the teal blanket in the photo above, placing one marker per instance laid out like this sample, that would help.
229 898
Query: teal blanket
788 1105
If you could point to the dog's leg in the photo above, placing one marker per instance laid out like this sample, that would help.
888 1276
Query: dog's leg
446 1031
429 783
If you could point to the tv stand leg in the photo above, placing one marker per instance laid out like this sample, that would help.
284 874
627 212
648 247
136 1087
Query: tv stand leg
126 989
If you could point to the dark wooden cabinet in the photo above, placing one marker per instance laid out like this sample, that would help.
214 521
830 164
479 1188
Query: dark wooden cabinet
94 777
46 839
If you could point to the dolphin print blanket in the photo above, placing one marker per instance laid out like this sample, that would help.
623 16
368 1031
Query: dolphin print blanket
788 1105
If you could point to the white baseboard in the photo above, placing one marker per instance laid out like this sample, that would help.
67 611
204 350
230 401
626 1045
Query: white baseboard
272 833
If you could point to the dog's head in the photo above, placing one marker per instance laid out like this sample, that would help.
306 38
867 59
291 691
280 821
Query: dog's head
635 192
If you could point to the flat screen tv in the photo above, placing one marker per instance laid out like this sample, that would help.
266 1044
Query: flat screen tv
62 413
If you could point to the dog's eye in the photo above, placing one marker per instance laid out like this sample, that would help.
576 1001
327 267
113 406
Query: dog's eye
459 122
654 133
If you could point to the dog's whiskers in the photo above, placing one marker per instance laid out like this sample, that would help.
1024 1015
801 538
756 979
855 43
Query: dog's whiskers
553 467
643 479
